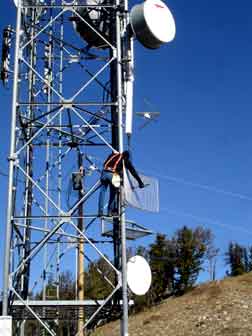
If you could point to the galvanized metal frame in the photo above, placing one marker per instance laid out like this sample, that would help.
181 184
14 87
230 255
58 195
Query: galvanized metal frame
20 162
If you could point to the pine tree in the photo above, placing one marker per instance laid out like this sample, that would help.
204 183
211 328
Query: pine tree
246 259
191 247
98 280
250 258
237 259
162 266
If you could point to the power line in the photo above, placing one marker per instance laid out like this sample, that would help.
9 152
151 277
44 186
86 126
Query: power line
204 187
206 220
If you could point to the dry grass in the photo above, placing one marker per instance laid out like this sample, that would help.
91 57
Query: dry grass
219 308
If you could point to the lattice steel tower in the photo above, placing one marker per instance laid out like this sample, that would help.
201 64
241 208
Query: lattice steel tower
73 75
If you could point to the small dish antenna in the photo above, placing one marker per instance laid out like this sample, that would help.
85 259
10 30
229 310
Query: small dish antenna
138 275
152 23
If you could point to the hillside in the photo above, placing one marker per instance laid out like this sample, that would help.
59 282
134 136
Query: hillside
220 308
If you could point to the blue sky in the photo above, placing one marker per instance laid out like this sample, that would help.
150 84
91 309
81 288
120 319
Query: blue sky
202 85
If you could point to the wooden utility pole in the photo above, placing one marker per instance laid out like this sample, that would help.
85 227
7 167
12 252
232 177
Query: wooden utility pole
80 270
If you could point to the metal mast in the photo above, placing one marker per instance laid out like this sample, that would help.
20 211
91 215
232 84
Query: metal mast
68 102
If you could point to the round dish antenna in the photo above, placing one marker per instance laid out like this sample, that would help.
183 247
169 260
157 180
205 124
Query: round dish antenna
138 275
152 23
93 24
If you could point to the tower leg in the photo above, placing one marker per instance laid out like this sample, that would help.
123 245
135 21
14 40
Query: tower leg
124 323
6 280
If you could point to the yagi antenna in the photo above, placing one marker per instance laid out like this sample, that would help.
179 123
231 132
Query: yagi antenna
148 116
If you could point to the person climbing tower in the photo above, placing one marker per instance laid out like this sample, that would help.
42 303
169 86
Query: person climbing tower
111 176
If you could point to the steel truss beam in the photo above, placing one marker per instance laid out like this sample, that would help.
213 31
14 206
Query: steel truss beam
58 117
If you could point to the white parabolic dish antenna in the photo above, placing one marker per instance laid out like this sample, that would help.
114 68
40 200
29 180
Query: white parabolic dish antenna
138 275
153 23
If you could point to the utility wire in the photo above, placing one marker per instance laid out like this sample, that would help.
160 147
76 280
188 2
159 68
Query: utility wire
206 220
204 187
